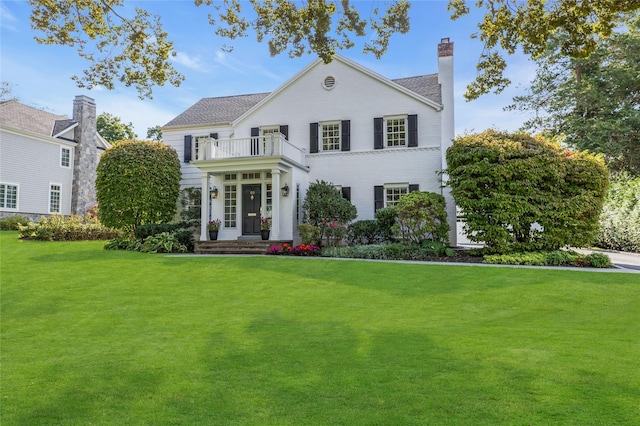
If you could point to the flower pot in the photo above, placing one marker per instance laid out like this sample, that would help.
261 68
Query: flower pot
213 235
264 233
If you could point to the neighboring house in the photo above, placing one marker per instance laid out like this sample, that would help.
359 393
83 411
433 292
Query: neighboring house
373 138
47 161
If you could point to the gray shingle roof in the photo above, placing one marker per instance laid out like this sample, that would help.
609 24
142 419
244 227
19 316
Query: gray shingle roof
209 111
217 110
61 125
424 85
23 117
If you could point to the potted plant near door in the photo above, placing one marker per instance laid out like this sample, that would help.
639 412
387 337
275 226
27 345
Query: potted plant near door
213 227
265 227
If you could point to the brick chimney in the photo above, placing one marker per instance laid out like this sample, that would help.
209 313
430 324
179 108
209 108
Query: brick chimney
447 124
83 195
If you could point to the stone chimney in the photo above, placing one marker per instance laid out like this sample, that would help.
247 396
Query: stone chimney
83 195
447 125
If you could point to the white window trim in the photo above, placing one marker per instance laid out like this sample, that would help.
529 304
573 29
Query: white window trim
10 209
402 185
386 118
59 185
321 139
267 130
196 147
62 149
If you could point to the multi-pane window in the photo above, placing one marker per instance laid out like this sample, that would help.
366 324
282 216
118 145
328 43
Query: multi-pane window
230 205
393 193
396 131
198 146
330 134
8 196
54 198
65 157
269 200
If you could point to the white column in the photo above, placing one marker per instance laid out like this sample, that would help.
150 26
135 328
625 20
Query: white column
204 207
275 204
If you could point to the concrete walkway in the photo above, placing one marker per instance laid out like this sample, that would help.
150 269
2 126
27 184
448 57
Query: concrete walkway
622 260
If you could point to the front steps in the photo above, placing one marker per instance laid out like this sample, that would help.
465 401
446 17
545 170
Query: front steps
244 246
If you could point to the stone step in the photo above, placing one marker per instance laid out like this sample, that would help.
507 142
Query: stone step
252 247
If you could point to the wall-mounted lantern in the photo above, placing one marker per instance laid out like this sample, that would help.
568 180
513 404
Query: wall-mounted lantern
213 193
285 190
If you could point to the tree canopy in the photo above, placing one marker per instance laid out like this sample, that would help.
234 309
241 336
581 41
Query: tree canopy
592 103
135 49
113 129
154 133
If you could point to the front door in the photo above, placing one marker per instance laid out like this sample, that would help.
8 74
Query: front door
251 202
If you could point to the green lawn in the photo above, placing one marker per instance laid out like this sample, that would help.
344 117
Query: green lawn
94 337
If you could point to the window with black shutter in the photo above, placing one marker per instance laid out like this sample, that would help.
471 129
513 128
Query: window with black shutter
378 197
313 138
346 135
285 131
378 133
187 148
413 130
346 192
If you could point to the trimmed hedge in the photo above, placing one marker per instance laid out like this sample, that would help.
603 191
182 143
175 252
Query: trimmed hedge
553 258
11 223
71 228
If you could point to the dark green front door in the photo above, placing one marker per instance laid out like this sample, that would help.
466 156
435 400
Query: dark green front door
251 202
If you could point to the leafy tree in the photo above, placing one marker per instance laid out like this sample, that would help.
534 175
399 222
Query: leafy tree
519 192
138 182
6 92
593 103
112 129
154 133
620 218
325 206
137 51
421 216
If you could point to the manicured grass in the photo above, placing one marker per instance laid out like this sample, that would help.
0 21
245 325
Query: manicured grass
101 337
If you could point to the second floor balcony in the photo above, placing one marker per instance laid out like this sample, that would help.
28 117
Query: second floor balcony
258 146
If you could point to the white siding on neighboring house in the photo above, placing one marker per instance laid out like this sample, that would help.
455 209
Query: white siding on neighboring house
34 162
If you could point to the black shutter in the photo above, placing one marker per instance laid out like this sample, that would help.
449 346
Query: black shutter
414 187
213 135
345 136
313 138
285 131
255 143
346 192
378 133
187 149
413 130
378 198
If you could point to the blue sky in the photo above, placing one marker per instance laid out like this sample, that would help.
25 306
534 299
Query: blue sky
40 75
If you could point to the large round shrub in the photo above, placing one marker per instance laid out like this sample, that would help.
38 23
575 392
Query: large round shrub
519 192
421 216
137 182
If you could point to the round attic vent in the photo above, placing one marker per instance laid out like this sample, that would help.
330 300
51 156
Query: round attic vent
329 82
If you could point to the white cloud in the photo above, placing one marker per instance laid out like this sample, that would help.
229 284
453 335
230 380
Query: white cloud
7 19
191 62
244 67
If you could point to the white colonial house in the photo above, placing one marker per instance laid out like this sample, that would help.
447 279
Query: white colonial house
374 138
48 161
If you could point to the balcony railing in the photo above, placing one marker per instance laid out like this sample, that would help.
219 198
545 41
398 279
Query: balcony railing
258 146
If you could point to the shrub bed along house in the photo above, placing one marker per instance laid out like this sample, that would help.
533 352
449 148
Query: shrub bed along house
67 228
300 250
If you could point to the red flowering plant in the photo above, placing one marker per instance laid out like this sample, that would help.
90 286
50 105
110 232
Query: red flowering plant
333 231
301 250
